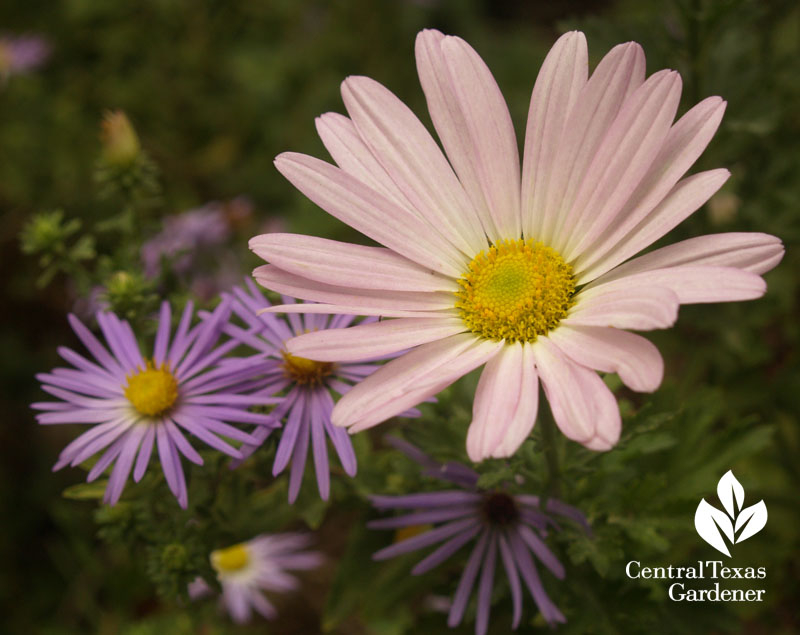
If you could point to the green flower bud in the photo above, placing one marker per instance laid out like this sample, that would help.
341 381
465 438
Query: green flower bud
120 142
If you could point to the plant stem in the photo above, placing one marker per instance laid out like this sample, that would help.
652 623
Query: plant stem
548 426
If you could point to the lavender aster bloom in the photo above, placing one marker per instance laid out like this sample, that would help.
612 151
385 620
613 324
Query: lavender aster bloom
183 234
307 404
261 564
135 403
501 525
21 54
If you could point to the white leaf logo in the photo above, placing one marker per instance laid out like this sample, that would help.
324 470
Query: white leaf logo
729 489
704 519
752 519
714 525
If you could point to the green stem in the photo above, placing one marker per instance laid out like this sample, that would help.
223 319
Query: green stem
548 426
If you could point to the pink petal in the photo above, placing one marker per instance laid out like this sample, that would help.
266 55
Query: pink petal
504 409
561 78
429 364
398 405
373 340
281 281
619 73
448 118
622 160
490 133
639 308
348 149
684 199
347 265
582 405
636 360
696 284
353 308
682 146
414 162
754 252
364 209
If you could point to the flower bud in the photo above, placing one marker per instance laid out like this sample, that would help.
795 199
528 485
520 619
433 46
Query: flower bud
120 142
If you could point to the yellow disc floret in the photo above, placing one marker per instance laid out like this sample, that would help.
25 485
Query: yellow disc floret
516 291
305 371
230 559
152 391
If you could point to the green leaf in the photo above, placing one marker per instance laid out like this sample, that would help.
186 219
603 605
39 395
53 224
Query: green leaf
86 491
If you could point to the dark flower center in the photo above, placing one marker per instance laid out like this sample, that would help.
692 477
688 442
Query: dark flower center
499 508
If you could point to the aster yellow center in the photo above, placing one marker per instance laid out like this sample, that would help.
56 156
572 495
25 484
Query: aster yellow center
516 291
230 559
305 371
152 391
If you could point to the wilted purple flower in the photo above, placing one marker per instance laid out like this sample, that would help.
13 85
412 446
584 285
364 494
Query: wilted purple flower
511 525
134 403
182 236
20 54
308 403
261 564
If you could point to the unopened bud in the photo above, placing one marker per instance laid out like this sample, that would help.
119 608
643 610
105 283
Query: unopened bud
120 142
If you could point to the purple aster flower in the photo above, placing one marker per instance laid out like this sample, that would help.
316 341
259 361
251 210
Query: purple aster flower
182 236
262 564
501 525
307 403
20 54
246 569
135 403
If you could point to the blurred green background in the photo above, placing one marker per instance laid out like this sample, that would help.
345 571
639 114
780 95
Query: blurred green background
215 89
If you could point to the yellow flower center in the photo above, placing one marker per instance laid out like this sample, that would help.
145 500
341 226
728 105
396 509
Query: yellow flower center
404 533
517 291
305 371
152 391
230 559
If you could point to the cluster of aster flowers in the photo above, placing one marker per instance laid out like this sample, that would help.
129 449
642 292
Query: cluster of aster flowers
192 384
523 267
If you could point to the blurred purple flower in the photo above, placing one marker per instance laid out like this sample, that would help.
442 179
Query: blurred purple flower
85 306
21 54
262 564
511 525
182 237
308 403
134 403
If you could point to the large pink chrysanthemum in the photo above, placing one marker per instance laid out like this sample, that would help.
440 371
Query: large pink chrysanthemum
521 270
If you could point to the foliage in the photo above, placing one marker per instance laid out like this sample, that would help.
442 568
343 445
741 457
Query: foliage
212 91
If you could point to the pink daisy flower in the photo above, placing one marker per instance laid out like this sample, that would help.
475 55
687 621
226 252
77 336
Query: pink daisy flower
524 268
134 404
